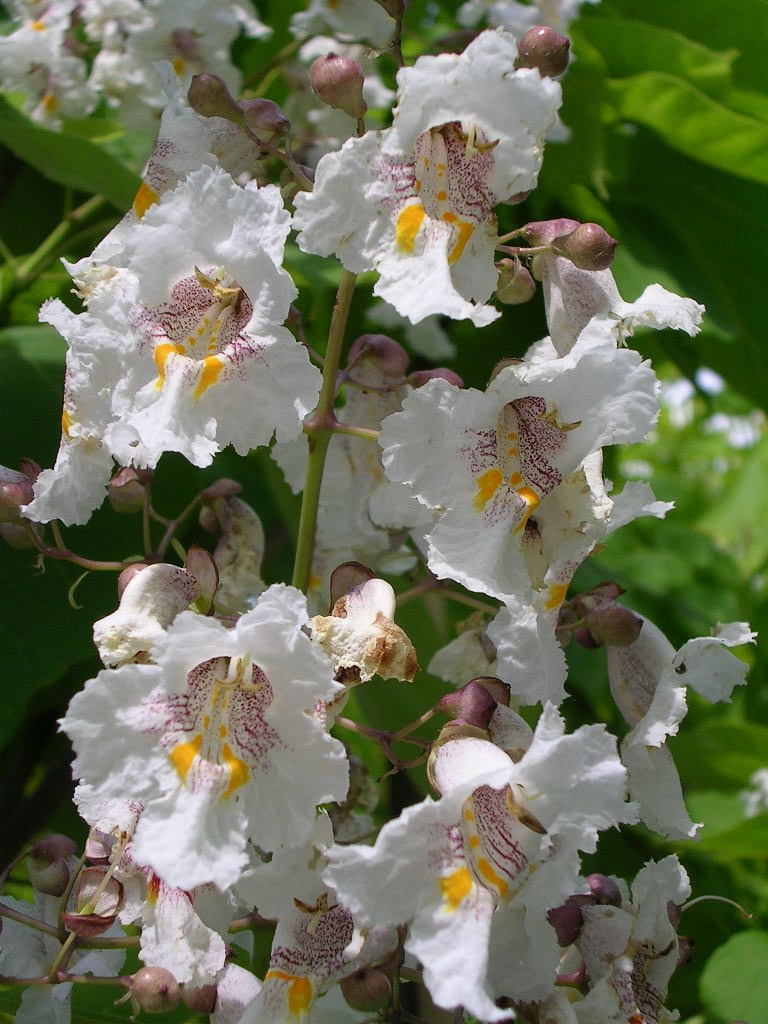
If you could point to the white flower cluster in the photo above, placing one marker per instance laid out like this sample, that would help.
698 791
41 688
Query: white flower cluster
204 752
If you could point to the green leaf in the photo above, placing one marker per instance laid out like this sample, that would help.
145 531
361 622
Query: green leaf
693 123
734 982
721 755
77 163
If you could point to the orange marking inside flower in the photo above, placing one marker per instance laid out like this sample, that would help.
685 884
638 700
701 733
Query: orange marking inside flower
299 991
178 66
238 770
144 198
183 755
162 353
487 483
66 424
50 102
409 220
456 887
39 26
212 367
494 880
532 500
442 195
474 842
515 479
556 597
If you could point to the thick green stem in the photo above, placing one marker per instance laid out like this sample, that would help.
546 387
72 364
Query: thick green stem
319 427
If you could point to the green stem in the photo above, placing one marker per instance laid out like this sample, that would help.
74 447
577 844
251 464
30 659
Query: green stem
32 265
347 428
320 427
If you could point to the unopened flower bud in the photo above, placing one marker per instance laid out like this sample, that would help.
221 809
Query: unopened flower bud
567 920
338 82
155 990
201 999
419 378
515 284
545 49
389 356
15 490
127 575
542 232
604 889
367 990
588 247
16 537
473 704
126 491
222 488
47 864
209 96
264 117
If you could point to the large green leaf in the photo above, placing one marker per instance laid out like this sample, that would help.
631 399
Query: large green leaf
734 983
75 162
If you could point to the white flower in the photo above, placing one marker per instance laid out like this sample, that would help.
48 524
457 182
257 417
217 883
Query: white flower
508 470
648 679
150 602
181 348
474 873
630 953
574 298
347 19
518 18
217 741
416 201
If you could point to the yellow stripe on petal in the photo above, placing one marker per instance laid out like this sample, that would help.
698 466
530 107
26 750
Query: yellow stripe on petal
212 367
491 877
299 992
183 755
162 354
557 592
144 198
66 424
238 770
487 485
532 500
409 220
456 887
465 230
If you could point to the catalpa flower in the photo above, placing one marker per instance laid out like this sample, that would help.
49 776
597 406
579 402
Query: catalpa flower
508 470
181 347
648 680
416 201
217 741
519 17
473 873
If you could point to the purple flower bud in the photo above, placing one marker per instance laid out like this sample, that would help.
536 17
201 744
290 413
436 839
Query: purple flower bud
15 490
420 377
338 82
542 232
515 284
473 704
155 990
209 96
264 117
604 889
222 488
588 247
367 990
126 491
47 864
567 921
388 356
545 49
16 537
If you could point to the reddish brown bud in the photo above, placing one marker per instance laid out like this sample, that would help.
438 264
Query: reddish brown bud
338 82
604 889
389 356
367 990
127 575
126 491
47 864
155 990
515 284
209 96
473 704
420 377
545 49
222 488
542 232
264 117
16 537
588 247
15 490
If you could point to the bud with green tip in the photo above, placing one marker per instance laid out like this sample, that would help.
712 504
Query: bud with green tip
47 863
544 49
209 96
126 490
338 82
515 284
